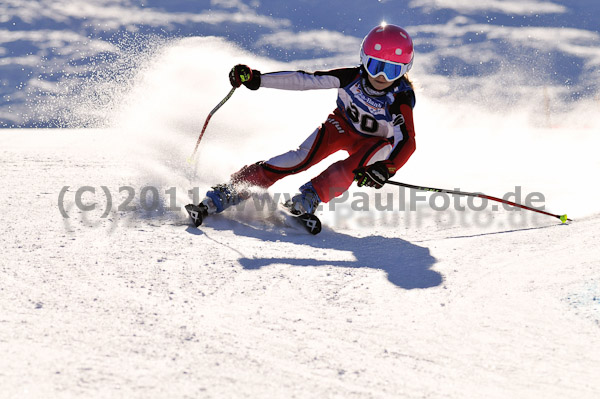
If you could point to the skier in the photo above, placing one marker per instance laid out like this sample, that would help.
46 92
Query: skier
373 123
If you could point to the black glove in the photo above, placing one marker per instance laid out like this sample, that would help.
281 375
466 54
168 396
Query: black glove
375 175
244 75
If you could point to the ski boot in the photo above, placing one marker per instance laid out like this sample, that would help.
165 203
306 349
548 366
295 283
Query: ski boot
303 206
306 202
221 197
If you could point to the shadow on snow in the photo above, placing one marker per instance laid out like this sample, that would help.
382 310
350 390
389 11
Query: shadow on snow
407 265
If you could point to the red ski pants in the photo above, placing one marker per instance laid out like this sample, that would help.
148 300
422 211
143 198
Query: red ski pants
333 135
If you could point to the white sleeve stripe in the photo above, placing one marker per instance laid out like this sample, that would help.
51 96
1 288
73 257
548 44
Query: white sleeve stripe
298 81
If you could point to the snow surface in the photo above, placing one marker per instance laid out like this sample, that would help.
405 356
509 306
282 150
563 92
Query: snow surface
143 305
383 303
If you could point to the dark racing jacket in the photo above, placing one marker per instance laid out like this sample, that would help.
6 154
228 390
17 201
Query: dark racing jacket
387 114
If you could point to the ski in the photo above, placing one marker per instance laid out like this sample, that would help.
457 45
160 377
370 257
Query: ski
197 213
310 222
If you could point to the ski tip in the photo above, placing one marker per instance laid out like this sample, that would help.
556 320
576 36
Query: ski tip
196 214
311 223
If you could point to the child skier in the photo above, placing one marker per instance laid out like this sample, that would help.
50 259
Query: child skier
373 123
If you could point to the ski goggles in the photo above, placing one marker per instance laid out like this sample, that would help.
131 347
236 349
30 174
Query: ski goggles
389 70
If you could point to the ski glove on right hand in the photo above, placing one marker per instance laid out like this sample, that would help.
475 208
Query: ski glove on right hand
244 75
375 175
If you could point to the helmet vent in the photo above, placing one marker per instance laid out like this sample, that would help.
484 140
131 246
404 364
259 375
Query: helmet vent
398 51
378 47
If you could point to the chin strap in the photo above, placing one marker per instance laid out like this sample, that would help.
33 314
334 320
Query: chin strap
371 91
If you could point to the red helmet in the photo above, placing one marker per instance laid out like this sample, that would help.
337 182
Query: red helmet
387 50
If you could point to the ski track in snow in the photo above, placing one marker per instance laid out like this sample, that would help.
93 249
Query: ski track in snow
138 305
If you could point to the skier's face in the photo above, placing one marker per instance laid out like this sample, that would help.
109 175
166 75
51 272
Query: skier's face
379 83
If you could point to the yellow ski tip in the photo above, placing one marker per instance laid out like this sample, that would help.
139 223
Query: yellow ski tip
564 219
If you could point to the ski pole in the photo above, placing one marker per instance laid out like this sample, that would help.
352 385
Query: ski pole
563 218
210 114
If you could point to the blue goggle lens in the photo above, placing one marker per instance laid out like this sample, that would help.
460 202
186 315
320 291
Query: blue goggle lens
391 71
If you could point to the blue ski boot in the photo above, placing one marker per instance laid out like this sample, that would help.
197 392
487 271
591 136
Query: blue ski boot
223 196
220 198
306 202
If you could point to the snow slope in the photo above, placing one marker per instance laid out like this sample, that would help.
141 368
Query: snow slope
143 305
